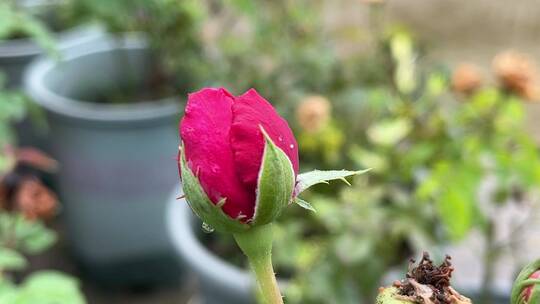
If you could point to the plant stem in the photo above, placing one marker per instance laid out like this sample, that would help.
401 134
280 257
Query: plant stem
267 280
491 255
256 243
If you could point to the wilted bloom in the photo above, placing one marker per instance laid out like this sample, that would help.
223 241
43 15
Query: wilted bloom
526 288
466 78
225 139
27 195
24 192
425 283
35 200
517 73
313 113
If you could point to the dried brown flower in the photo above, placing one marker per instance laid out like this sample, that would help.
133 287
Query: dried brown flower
466 78
313 113
517 72
34 200
24 192
429 284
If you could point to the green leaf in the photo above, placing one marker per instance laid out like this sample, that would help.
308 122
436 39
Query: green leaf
199 202
245 6
453 187
8 292
39 241
403 53
364 158
50 287
275 184
308 179
389 132
436 84
11 259
302 203
33 237
456 213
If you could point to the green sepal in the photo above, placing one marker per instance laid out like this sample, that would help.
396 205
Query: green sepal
308 179
302 203
275 183
522 281
199 202
11 260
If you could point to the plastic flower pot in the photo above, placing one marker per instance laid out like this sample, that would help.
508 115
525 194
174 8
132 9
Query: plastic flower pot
117 160
497 298
218 280
16 54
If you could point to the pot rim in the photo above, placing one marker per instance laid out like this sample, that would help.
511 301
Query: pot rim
24 47
198 257
85 110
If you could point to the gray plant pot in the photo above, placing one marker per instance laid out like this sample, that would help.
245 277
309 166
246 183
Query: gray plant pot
117 161
219 281
498 298
16 55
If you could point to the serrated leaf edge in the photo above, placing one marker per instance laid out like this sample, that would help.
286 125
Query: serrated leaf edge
301 188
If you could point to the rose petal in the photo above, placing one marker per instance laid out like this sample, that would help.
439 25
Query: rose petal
249 112
205 131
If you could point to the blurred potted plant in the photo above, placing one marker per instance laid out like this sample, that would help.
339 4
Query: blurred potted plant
112 106
98 121
21 236
29 29
25 204
112 129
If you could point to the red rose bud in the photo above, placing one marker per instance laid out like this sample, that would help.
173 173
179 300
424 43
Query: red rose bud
239 159
526 288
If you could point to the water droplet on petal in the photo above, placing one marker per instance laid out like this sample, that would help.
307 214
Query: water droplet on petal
215 168
207 228
280 138
291 146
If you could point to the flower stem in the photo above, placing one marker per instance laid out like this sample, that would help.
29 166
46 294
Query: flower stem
491 256
256 243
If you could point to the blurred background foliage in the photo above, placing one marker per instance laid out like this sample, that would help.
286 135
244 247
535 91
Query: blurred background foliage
20 236
18 21
431 136
25 202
